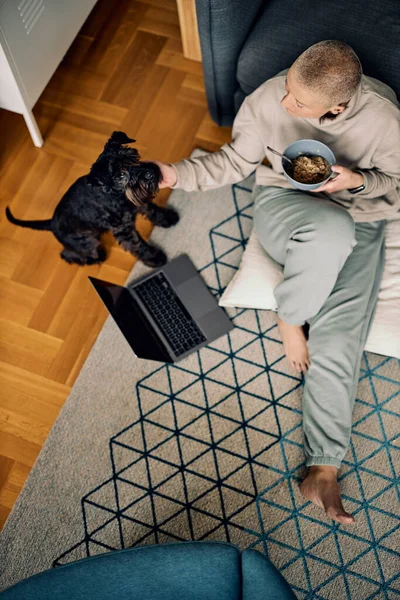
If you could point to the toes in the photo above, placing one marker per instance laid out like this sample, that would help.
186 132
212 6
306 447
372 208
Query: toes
340 516
335 510
296 366
301 366
346 519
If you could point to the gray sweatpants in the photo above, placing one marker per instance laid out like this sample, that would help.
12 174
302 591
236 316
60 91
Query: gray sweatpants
332 273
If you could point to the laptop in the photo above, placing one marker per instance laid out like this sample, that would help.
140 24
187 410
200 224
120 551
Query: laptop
166 315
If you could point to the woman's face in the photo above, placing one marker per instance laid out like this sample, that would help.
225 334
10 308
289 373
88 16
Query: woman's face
300 102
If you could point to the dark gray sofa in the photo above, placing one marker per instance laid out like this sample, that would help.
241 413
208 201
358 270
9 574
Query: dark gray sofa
245 42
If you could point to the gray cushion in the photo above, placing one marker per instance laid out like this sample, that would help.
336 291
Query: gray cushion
286 28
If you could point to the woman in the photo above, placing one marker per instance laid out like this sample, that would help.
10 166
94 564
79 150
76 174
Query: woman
331 242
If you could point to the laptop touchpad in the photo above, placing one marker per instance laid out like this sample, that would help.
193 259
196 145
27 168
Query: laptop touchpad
196 297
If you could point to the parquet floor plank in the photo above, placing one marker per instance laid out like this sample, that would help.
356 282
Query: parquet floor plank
16 480
119 259
76 143
76 54
141 103
161 21
109 47
171 57
31 429
11 252
53 296
191 96
125 70
20 203
73 355
6 465
210 132
79 339
100 14
23 390
19 450
194 82
170 139
81 112
17 136
40 260
29 349
85 107
5 511
164 4
18 302
72 300
132 71
78 80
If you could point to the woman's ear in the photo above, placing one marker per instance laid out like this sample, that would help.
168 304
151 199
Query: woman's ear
338 109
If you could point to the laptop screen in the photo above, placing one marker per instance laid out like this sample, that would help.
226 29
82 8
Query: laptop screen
132 322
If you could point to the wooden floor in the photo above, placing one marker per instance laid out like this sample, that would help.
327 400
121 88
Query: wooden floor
125 70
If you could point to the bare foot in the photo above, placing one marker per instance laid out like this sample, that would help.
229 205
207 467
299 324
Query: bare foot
295 345
321 487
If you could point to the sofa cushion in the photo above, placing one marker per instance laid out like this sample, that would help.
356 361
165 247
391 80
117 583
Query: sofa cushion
286 28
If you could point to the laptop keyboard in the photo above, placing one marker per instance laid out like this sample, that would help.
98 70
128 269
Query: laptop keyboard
170 314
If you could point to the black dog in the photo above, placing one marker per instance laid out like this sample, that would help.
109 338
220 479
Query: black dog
118 188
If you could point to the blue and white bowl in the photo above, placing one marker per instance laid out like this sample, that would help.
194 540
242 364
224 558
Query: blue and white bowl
310 148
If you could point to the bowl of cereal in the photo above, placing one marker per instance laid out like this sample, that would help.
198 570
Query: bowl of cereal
311 164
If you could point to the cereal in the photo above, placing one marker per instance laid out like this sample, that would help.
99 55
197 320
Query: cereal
310 169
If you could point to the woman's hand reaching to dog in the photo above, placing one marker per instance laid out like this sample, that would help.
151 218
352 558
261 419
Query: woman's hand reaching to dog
344 180
168 175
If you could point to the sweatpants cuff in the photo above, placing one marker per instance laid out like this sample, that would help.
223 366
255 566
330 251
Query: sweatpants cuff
330 461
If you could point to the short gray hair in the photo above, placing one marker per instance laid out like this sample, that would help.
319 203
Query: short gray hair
330 69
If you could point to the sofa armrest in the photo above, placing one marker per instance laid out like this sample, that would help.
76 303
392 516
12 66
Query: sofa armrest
223 28
261 580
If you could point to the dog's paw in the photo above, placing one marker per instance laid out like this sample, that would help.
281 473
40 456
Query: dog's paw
157 258
170 218
72 258
99 257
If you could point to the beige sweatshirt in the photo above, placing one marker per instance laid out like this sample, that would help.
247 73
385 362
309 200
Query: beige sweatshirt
366 137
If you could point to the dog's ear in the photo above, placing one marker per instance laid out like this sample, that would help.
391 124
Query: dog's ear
119 137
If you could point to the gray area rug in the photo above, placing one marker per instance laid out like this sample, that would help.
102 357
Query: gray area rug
211 449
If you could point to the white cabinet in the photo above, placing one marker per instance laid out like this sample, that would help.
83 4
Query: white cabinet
34 36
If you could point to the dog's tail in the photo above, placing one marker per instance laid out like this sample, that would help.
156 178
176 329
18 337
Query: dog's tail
43 225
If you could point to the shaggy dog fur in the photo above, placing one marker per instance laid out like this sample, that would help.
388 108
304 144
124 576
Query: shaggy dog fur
109 198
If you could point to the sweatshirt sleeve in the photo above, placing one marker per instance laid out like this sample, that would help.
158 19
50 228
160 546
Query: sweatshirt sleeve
385 176
232 163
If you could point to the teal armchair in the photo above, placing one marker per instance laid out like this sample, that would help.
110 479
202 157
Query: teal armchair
182 571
